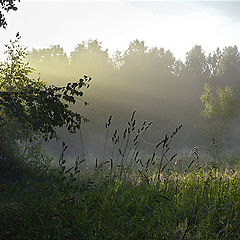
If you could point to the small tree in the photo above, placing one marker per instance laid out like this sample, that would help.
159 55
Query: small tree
220 108
30 109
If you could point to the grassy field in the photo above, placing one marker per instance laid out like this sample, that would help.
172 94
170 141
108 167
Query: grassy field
124 197
201 203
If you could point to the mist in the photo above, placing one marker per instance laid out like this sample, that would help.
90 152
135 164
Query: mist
119 119
150 80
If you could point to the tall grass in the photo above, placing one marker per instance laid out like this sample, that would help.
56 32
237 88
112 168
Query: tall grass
126 196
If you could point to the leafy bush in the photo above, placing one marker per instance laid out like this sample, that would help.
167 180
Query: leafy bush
29 109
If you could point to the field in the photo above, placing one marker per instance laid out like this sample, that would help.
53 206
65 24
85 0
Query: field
201 201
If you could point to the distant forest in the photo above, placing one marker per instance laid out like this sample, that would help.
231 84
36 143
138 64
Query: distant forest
152 81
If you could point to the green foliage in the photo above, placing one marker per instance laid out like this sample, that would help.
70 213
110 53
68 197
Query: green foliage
31 103
62 203
222 105
196 60
201 204
150 79
220 108
31 111
5 6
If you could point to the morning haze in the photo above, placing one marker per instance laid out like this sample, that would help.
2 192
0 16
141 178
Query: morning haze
152 81
154 57
119 120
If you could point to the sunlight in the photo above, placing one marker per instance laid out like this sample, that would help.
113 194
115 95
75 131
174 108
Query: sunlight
91 20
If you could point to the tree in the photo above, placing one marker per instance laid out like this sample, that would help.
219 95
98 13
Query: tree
137 48
196 61
231 56
230 66
220 108
214 61
30 109
135 56
52 63
90 57
161 60
6 6
117 60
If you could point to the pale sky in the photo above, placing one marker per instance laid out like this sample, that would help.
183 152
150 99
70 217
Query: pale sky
173 25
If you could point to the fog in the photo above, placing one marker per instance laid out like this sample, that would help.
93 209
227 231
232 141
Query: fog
161 89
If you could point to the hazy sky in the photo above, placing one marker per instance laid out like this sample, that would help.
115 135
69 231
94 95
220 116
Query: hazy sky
174 25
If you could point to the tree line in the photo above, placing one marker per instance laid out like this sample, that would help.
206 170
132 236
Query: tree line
160 87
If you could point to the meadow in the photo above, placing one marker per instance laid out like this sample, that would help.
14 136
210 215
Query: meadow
127 191
173 175
166 196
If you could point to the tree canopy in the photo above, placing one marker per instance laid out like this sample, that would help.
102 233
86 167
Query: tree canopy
6 6
36 107
150 79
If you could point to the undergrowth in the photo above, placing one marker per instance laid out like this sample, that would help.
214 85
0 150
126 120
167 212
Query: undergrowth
124 197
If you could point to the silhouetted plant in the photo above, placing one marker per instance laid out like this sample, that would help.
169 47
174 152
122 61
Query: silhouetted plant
34 109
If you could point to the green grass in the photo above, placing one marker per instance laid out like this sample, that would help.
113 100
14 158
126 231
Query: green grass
201 204
123 197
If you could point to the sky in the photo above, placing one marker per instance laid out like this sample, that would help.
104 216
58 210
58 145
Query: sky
173 25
